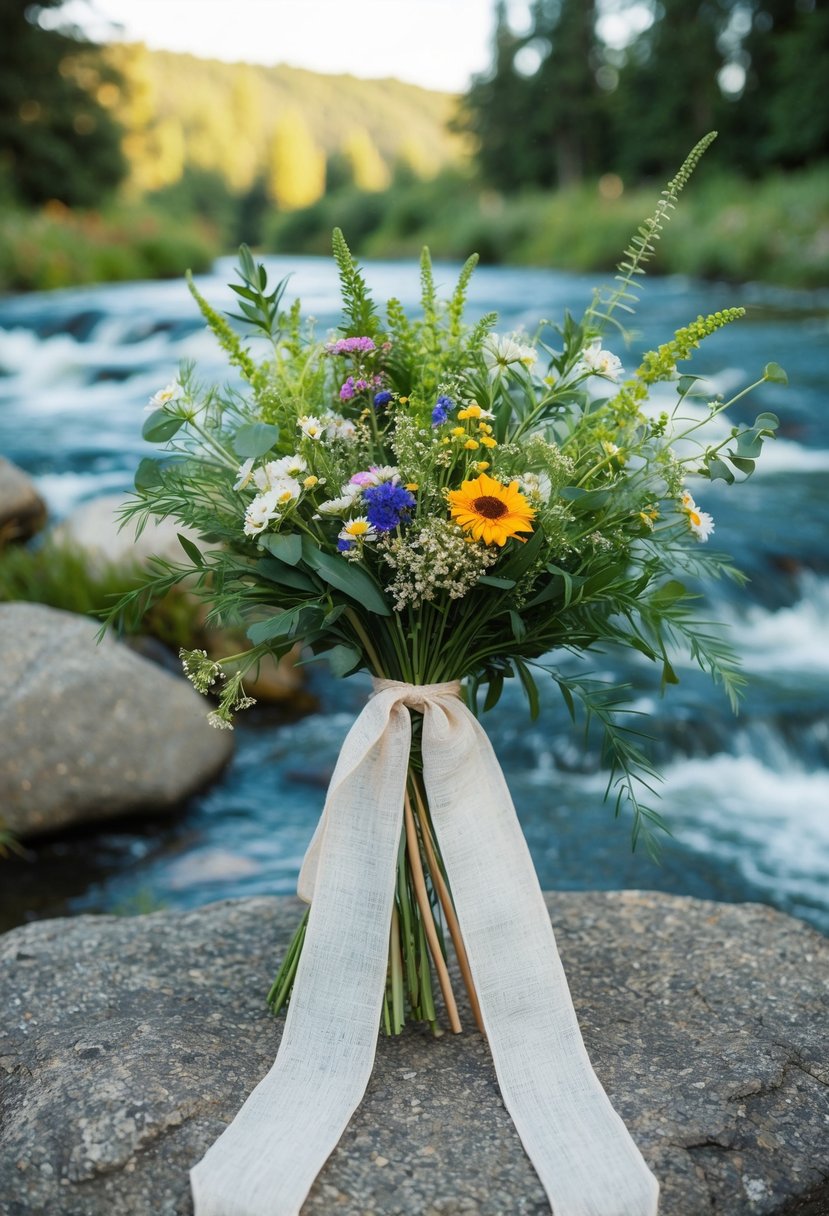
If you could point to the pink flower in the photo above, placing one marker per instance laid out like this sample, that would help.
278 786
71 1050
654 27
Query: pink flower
350 346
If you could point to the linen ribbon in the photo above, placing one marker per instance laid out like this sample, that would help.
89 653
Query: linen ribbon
265 1162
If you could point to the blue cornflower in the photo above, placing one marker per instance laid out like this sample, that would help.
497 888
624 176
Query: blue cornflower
382 398
443 408
387 505
345 546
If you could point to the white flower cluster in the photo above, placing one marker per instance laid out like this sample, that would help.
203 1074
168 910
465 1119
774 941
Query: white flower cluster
439 557
201 671
279 485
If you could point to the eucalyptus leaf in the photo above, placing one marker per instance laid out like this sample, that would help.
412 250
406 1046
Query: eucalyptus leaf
255 439
161 426
287 546
775 374
148 474
718 470
342 659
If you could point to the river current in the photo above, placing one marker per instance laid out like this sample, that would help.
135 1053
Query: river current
747 797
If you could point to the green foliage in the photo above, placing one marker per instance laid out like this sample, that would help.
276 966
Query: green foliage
57 141
360 311
59 248
726 228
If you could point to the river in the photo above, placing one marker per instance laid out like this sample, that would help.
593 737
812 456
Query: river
747 798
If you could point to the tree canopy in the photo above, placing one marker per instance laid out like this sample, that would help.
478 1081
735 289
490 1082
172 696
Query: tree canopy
58 138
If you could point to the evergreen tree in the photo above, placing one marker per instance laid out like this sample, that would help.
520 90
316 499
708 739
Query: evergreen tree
57 140
296 168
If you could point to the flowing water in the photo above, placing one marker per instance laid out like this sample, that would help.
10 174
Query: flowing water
747 798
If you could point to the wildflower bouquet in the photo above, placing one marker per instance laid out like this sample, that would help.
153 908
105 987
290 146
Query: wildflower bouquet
433 502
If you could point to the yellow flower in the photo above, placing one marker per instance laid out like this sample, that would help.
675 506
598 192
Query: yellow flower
490 511
488 441
457 431
471 411
412 487
481 465
310 482
472 444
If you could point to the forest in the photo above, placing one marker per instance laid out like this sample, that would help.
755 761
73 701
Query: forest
120 162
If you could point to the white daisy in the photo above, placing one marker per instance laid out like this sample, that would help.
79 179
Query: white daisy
599 362
500 352
311 427
245 475
165 396
536 486
700 522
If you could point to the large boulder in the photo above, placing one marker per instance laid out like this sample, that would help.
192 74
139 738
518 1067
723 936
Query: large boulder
22 510
126 1045
88 730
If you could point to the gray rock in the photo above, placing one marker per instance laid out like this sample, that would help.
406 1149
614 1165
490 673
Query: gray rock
126 1045
90 731
22 510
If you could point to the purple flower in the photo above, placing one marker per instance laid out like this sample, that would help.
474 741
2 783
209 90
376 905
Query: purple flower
382 398
387 505
350 346
443 407
351 387
345 546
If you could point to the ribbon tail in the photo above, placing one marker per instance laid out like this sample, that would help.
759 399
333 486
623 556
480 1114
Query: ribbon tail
580 1148
266 1161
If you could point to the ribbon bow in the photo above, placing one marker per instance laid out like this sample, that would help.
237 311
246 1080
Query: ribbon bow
265 1162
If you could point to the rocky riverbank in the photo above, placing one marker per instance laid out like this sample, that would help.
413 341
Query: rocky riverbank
127 1044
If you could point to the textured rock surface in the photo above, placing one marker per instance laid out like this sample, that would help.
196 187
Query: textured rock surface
89 731
126 1046
22 510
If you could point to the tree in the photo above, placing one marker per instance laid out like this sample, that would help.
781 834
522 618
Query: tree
296 167
538 116
57 139
668 95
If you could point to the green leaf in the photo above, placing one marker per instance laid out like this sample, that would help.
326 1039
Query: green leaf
287 546
668 592
190 549
148 474
718 470
525 676
493 695
279 626
519 629
669 676
283 575
775 374
489 580
568 700
255 439
523 557
346 577
744 465
342 659
685 384
161 426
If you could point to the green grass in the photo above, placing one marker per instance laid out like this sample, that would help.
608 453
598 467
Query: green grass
55 247
775 230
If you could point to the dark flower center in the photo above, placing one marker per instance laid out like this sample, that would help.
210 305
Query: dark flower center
489 507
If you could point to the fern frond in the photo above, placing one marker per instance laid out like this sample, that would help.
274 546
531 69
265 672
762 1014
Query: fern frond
428 293
642 245
458 301
358 304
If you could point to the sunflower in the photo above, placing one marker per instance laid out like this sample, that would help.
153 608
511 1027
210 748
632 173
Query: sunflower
490 511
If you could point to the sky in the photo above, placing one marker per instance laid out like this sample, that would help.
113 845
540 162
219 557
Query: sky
439 44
